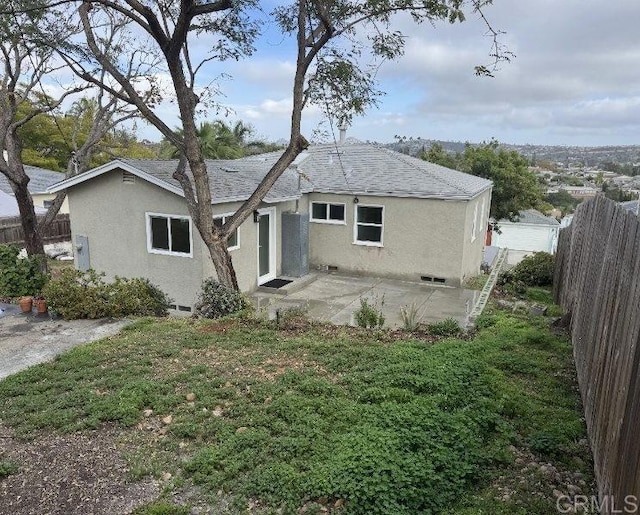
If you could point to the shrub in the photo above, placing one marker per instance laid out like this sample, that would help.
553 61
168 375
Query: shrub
217 300
7 468
447 327
369 315
410 317
535 270
77 294
20 277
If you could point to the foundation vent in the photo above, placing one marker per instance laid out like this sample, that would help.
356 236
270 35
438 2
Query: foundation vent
430 279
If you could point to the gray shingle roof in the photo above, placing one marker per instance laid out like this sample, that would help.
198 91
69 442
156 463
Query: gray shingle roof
531 216
368 169
231 180
354 169
41 179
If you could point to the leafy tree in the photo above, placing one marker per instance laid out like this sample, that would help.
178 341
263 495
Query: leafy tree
436 154
563 201
329 72
612 191
30 38
515 188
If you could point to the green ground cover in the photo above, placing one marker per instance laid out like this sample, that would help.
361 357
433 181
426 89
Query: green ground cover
312 417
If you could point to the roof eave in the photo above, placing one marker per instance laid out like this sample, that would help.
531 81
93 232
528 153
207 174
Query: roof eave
398 194
108 167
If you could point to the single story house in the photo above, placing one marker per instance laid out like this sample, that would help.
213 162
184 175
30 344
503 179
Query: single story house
9 206
40 181
360 209
533 232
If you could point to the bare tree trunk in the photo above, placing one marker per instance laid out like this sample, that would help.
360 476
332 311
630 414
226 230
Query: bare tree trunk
32 237
223 265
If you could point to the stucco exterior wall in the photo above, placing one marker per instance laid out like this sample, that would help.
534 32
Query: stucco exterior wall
112 215
39 199
529 237
477 208
422 237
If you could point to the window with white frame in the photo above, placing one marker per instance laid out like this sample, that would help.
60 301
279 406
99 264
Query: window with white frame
328 213
474 222
369 225
233 242
169 234
482 224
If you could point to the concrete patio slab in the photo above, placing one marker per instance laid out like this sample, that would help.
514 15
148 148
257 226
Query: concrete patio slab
334 298
26 340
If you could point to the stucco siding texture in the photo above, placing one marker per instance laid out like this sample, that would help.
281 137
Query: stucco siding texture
112 215
118 236
526 237
421 237
477 208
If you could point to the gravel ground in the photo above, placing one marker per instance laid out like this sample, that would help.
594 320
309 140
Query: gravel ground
82 473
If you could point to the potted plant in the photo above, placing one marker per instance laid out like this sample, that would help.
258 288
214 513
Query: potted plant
40 304
26 304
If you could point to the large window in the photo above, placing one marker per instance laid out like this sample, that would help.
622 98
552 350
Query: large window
167 234
233 242
369 224
328 213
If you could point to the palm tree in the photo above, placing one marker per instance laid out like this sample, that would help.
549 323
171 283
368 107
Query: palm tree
220 140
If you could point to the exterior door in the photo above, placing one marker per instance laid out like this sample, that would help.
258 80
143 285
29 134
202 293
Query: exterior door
266 245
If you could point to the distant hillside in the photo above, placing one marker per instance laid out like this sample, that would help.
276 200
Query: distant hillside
567 156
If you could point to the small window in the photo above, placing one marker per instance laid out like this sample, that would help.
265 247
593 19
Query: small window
474 223
169 234
369 225
233 242
47 204
325 212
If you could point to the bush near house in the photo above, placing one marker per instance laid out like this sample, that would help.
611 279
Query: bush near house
18 276
217 300
75 294
534 270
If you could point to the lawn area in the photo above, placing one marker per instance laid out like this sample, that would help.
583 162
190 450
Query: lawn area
306 418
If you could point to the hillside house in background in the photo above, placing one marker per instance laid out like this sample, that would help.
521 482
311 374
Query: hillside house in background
533 232
40 181
9 206
359 209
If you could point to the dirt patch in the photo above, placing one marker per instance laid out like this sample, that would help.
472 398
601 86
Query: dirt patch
81 473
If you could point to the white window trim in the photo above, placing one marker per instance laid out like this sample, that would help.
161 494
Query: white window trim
482 226
474 223
224 216
356 241
327 221
273 265
151 250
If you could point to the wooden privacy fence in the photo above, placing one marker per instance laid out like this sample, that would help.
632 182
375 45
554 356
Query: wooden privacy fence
11 230
597 281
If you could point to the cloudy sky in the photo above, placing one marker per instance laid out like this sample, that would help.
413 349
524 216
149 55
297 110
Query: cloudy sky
575 80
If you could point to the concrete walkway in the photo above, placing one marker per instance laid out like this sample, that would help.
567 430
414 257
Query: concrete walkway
26 340
334 298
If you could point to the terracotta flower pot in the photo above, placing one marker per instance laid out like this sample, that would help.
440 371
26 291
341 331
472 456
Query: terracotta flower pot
41 306
26 304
